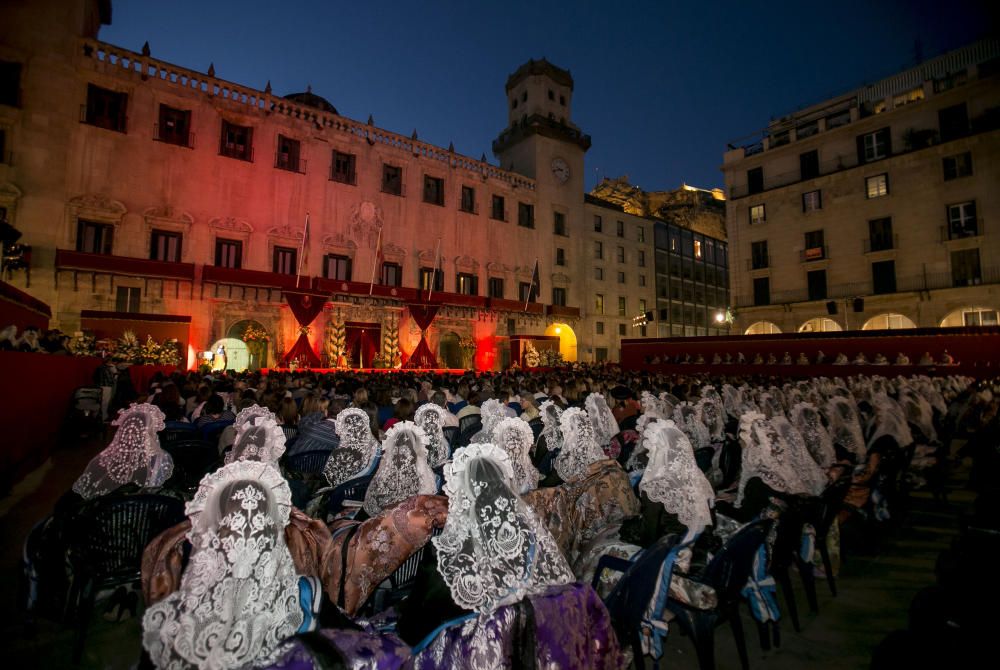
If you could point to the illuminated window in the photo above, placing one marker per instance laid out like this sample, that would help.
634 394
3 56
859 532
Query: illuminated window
467 284
877 186
283 261
598 303
697 248
757 216
165 246
812 201
622 304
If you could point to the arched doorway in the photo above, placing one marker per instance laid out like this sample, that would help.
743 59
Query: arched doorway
245 355
363 342
888 321
820 324
567 340
449 353
236 355
762 328
970 316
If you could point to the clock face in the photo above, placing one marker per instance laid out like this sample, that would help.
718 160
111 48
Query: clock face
560 170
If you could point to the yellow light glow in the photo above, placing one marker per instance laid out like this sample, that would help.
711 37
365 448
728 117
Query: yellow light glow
558 330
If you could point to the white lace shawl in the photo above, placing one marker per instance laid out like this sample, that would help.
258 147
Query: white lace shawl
766 456
732 400
710 414
605 425
889 420
239 596
798 453
431 418
845 427
493 551
686 418
806 418
712 394
652 406
673 479
515 437
492 413
771 405
918 412
357 449
551 415
134 455
580 449
258 438
403 470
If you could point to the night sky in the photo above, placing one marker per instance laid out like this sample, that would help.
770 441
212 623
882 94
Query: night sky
660 86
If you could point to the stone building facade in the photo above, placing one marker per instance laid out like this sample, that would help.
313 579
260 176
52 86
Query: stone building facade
143 186
874 209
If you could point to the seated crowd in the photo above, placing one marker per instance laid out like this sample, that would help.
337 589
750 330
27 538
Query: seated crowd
491 520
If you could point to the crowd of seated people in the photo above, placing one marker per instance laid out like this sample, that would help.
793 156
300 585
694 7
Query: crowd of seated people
33 339
433 521
926 359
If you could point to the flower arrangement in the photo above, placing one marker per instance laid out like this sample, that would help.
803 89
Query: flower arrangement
551 358
254 334
531 356
390 349
131 350
83 344
336 343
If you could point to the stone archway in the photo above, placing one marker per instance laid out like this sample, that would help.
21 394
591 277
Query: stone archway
244 356
567 340
449 352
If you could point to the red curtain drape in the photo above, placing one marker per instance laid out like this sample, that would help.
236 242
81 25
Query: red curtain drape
422 356
306 307
362 342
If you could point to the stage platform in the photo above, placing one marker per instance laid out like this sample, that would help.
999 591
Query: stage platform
365 371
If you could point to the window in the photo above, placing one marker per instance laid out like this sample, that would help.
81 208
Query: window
642 280
906 97
877 186
468 200
812 201
600 354
10 84
174 126
431 280
621 254
433 190
620 229
981 317
527 291
598 224
598 303
525 215
959 165
599 327
622 306
552 95
621 277
621 330
809 164
467 284
127 298
755 180
392 179
757 216
392 274
562 100
236 141
559 296
815 249
953 122
598 250
962 220
599 274
343 168
498 210
758 255
816 281
228 254
884 277
165 246
283 262
641 233
965 268
559 223
337 267
560 256
105 108
496 287
697 248
94 238
762 291
873 146
880 234
641 259
287 156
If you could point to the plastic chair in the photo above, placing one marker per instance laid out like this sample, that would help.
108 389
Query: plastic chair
467 427
193 459
727 574
172 435
451 435
211 431
307 462
786 552
106 547
353 490
822 517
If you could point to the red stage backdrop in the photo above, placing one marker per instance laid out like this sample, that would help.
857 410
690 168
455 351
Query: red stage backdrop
306 307
362 339
422 356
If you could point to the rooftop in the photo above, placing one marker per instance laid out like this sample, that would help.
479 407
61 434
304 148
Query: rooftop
540 67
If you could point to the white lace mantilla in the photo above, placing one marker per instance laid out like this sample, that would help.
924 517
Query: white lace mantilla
580 449
605 425
357 449
514 436
673 479
431 418
403 470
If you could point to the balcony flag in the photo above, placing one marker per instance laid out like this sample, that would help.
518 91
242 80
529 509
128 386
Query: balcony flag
302 251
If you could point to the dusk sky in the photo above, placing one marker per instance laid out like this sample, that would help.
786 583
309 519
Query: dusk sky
661 87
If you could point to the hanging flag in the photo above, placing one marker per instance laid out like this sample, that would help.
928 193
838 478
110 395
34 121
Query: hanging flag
532 287
303 251
378 259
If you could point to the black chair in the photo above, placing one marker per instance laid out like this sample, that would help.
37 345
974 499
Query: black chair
211 431
84 416
106 547
172 435
703 456
822 518
451 435
787 552
353 490
193 459
730 462
468 426
727 574
307 462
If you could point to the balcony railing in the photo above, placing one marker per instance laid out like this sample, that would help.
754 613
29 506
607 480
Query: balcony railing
237 151
289 163
759 262
118 124
881 243
968 228
123 266
349 178
394 189
178 139
813 254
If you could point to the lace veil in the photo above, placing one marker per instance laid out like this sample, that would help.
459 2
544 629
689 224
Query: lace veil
515 437
403 470
551 415
803 462
492 413
673 479
238 597
710 414
652 406
806 418
889 420
605 425
580 449
845 428
686 418
357 450
134 455
493 551
765 455
258 437
430 417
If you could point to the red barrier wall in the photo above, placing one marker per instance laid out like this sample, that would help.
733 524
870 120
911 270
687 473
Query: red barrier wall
21 309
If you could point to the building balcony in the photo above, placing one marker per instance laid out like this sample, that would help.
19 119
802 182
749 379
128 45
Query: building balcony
811 254
964 229
504 305
213 274
880 243
79 261
563 311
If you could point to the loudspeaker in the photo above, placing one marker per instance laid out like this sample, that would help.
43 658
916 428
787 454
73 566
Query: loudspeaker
859 304
831 307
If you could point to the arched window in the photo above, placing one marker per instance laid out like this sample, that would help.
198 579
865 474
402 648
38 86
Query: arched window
888 321
971 316
762 328
820 324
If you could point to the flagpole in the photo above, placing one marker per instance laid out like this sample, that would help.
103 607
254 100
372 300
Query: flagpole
527 298
434 272
378 247
302 250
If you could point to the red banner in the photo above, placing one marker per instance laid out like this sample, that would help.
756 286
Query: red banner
422 356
